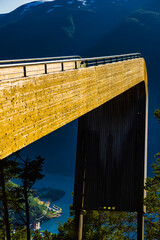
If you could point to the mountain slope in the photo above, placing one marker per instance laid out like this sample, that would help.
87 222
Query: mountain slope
137 33
140 32
59 27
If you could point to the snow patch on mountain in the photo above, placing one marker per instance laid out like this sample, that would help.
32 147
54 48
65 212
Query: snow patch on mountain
83 2
86 2
50 10
70 2
56 4
30 5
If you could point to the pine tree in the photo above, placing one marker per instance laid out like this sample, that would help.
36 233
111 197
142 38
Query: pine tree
8 170
152 201
30 172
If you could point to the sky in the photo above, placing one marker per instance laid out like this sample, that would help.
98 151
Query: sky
9 5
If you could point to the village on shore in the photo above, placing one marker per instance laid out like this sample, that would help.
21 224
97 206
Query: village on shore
50 211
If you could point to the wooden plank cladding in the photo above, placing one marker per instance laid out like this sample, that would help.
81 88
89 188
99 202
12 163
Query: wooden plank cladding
10 72
33 106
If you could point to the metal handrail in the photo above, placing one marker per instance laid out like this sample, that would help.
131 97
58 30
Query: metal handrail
110 59
38 59
132 55
114 58
83 62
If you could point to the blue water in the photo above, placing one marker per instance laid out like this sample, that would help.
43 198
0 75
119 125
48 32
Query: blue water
61 182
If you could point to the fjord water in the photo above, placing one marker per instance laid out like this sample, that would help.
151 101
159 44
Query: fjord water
62 182
59 151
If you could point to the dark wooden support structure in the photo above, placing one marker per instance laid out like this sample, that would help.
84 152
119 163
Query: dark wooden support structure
140 225
112 140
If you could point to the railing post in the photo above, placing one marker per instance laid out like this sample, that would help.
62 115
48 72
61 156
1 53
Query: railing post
96 62
24 70
104 60
86 63
75 64
62 65
45 68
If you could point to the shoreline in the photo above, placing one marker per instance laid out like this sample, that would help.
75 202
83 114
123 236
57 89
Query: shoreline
52 211
66 184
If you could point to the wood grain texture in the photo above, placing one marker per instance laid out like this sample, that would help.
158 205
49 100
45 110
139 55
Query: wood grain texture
32 107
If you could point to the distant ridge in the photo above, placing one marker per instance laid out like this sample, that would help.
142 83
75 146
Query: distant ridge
140 31
60 27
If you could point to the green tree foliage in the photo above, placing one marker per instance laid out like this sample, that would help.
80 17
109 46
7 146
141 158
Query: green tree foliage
17 205
37 236
8 170
45 235
110 225
19 234
157 114
152 201
30 172
36 210
99 225
66 230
